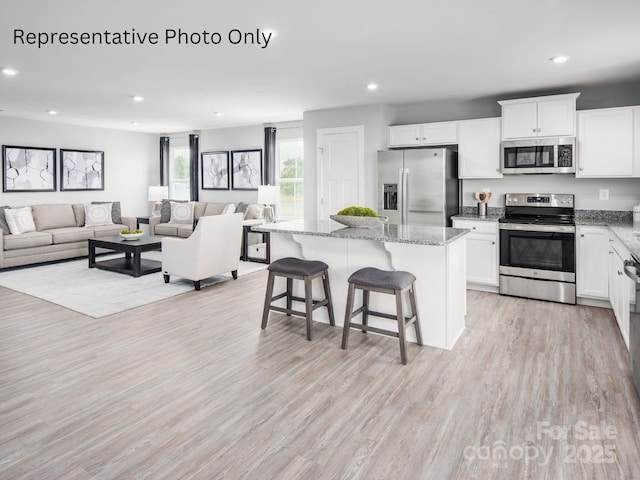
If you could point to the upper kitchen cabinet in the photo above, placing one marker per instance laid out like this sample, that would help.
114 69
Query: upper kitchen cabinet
479 148
440 133
550 116
606 143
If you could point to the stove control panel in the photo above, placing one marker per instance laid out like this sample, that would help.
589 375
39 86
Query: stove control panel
539 200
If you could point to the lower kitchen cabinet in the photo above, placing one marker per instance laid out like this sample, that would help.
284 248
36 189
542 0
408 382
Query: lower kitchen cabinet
482 252
621 287
592 262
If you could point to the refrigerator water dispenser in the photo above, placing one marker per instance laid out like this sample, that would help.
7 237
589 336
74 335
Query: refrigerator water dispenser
391 196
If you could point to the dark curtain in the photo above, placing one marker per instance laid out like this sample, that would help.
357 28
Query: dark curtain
269 156
194 153
164 161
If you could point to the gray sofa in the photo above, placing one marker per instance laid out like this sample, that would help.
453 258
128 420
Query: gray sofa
60 233
163 226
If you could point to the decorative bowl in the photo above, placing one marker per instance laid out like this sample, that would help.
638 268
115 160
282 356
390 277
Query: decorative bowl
359 222
131 236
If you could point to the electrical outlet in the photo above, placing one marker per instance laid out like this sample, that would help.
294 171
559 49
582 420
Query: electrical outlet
604 194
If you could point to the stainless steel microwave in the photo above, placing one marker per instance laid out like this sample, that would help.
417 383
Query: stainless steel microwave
539 155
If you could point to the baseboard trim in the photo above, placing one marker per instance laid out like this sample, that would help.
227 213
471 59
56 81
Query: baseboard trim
593 302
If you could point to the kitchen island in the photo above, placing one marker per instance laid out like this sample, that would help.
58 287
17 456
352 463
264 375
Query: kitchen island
435 255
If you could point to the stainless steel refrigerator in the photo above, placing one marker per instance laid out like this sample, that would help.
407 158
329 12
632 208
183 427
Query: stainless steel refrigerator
418 186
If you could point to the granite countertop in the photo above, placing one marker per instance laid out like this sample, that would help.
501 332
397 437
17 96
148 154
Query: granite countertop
415 234
488 218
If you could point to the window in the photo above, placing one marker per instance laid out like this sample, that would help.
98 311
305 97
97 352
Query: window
179 188
290 167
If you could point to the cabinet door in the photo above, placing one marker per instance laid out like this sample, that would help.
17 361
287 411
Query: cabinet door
482 259
520 120
404 135
557 117
479 148
442 133
593 262
621 308
605 142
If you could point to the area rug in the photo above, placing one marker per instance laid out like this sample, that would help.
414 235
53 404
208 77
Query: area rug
98 293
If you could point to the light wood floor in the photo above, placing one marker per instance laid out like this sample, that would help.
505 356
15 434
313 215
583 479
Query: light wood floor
190 387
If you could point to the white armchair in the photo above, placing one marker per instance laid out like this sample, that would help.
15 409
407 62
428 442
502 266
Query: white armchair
213 248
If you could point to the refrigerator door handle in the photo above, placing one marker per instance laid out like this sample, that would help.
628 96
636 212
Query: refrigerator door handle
405 196
401 193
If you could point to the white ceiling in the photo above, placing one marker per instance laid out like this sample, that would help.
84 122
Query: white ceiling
324 55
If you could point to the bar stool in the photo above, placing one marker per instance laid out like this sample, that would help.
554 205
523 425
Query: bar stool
391 282
297 269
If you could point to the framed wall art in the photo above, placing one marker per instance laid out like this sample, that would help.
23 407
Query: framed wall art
28 169
81 170
215 170
246 167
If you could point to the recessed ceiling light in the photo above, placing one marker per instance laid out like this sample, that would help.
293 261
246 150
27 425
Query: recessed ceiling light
10 72
372 86
137 98
52 112
559 59
219 114
135 123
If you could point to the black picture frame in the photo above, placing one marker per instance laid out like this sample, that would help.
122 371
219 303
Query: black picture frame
81 170
28 169
246 169
214 170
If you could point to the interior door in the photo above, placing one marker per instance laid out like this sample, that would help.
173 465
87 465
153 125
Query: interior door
340 165
424 186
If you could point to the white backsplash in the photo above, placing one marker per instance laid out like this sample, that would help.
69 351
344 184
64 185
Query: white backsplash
624 193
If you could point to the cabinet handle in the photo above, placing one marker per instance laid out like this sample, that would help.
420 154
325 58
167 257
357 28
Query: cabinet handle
417 138
534 130
582 235
539 130
581 169
493 243
473 228
498 170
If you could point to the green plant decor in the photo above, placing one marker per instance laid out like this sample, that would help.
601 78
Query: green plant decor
358 212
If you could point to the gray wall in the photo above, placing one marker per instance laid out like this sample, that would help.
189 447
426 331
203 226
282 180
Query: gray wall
237 138
131 162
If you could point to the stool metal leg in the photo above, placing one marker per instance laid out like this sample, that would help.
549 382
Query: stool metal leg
365 305
267 300
327 295
289 294
401 327
414 311
347 315
308 301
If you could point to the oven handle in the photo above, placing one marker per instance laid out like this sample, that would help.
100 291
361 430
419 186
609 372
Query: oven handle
629 273
538 228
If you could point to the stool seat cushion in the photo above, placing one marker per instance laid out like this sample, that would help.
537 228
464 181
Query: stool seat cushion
296 266
374 277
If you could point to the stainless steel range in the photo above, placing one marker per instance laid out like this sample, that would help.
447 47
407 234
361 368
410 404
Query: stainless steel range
537 247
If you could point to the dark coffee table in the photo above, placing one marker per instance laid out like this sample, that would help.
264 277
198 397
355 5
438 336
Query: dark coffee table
132 263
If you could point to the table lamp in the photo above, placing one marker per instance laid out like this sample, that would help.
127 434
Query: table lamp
269 195
156 195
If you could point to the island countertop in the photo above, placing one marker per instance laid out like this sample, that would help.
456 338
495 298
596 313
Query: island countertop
415 234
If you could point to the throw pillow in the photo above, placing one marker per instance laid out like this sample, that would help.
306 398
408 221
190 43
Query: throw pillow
4 226
181 212
254 211
116 211
165 209
242 208
230 208
20 220
97 214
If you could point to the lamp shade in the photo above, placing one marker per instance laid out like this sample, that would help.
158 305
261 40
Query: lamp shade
158 193
269 194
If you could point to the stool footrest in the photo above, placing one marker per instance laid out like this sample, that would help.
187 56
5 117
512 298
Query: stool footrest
368 328
381 315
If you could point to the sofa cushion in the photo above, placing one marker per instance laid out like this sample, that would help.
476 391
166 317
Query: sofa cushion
229 208
254 211
78 211
4 226
69 234
182 213
185 231
97 214
20 220
214 208
167 229
53 215
26 240
116 211
107 230
199 209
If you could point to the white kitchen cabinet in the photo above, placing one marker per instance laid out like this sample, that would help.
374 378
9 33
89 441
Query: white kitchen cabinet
539 117
482 251
621 287
605 143
479 148
592 253
424 134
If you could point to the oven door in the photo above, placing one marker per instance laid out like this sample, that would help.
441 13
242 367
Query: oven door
541 252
